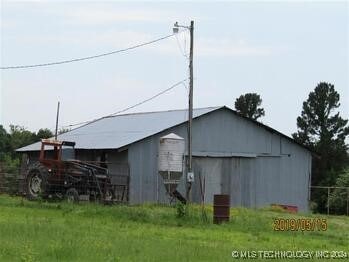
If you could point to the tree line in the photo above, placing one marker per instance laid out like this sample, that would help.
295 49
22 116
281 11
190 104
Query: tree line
17 137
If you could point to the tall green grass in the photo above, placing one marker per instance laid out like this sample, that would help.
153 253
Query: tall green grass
40 231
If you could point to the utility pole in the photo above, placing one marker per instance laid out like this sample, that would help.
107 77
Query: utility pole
190 120
56 132
190 175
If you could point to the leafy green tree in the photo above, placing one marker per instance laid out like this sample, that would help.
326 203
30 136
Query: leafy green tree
17 137
339 199
321 128
4 142
10 165
248 105
44 133
20 137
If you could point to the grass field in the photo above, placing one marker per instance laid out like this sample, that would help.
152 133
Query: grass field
39 231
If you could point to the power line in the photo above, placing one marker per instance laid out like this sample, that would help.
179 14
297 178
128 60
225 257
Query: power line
182 50
151 98
133 106
87 57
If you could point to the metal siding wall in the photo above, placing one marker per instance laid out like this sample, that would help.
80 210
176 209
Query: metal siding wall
235 182
143 170
295 178
268 181
226 176
211 169
134 157
224 132
146 185
247 182
254 182
275 144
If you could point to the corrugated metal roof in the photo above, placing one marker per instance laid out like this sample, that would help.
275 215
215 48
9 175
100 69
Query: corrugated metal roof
122 130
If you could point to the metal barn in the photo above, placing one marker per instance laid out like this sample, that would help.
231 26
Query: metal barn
253 163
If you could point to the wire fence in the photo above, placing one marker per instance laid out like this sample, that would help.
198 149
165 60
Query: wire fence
333 200
90 181
76 182
9 183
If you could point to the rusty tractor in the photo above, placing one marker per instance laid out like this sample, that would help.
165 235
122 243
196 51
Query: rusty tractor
55 177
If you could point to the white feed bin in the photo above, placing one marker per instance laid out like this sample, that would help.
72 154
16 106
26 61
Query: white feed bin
170 160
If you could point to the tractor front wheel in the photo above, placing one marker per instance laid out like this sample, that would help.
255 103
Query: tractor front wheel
36 182
72 195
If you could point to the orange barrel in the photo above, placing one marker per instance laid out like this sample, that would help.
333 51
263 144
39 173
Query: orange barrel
221 208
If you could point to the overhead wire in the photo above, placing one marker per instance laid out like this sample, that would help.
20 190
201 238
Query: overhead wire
151 98
182 50
182 82
87 57
185 55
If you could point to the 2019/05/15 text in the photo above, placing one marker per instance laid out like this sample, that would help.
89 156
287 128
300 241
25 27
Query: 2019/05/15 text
300 224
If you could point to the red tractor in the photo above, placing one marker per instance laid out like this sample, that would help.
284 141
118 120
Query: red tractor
55 177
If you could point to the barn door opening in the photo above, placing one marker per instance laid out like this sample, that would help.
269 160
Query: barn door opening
211 169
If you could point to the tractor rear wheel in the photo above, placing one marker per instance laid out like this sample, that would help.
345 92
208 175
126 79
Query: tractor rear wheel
36 182
72 195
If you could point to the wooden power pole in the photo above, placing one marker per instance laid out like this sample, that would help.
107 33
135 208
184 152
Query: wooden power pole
56 132
190 120
190 174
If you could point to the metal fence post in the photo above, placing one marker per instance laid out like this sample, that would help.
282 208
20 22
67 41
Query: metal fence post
328 200
347 201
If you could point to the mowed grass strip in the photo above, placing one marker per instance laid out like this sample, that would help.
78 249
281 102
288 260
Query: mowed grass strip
40 231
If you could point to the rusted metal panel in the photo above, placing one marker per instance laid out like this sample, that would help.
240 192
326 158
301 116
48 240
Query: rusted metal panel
288 208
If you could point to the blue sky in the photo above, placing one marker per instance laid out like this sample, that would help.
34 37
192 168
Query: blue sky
279 50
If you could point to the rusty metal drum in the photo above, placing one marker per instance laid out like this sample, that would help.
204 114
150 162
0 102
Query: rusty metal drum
221 208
